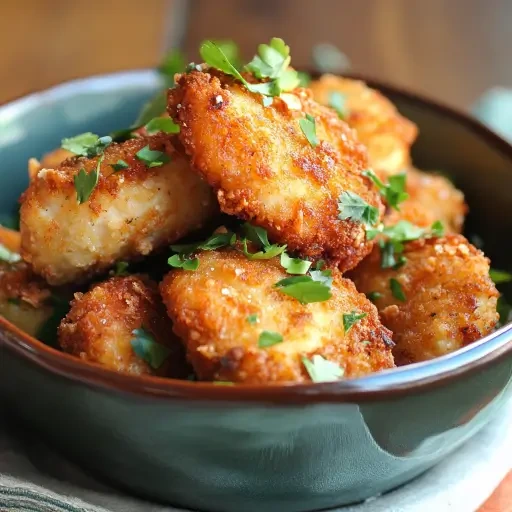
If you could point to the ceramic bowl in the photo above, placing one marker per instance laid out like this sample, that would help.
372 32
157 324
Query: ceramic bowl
249 448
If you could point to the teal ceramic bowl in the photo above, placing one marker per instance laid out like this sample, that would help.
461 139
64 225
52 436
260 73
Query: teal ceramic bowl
278 449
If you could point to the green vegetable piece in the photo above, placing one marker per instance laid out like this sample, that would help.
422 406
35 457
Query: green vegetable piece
353 207
294 265
269 338
308 127
151 157
148 349
349 319
397 290
163 125
322 370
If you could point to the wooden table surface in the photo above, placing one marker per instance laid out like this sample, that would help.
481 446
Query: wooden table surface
452 51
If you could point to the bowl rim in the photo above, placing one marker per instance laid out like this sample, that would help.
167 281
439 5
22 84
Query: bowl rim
417 377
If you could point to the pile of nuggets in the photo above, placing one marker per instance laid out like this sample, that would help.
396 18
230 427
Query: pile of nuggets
300 291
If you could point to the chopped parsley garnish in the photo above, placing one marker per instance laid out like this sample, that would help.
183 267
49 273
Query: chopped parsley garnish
148 349
8 256
294 265
394 237
394 191
322 276
161 124
306 289
272 59
270 62
258 236
338 101
437 229
308 127
500 276
349 319
252 319
85 182
322 370
179 261
87 144
268 252
397 290
151 157
267 101
121 268
216 241
120 165
353 207
155 107
373 296
269 338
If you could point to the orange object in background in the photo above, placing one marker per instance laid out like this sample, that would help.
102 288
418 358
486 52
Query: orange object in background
501 498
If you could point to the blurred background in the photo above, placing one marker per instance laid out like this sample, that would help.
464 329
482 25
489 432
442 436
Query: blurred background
450 50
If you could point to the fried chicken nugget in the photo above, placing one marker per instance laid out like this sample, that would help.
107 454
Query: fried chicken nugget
450 298
387 135
431 198
220 310
129 214
99 327
264 169
24 297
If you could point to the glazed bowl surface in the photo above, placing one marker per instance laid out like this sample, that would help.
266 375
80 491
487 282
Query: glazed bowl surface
278 449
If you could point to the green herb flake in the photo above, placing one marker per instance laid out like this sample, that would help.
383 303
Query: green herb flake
294 265
178 261
374 296
121 268
215 241
337 101
8 256
327 58
215 57
272 59
155 107
268 252
120 165
85 183
394 191
256 234
87 144
267 101
353 207
397 290
437 229
305 289
161 125
148 349
308 127
252 319
269 338
500 276
350 319
152 158
322 370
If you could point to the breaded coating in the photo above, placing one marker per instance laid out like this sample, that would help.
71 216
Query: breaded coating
431 198
387 135
50 160
264 170
211 307
24 297
129 214
99 327
450 298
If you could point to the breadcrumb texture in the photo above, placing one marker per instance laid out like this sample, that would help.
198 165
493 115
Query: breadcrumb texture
23 297
387 135
263 169
210 309
99 327
450 298
129 214
431 198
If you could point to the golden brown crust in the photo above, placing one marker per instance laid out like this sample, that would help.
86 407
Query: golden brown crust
209 308
263 168
129 213
23 297
431 198
451 300
99 327
387 135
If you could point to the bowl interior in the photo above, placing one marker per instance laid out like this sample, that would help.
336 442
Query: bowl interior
478 162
